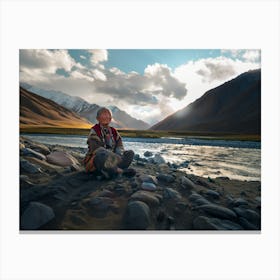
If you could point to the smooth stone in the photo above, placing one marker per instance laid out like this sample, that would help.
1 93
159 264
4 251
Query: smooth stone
148 179
29 167
36 215
137 215
158 159
136 156
247 225
206 223
186 183
218 211
248 214
148 154
239 201
194 196
29 152
148 186
166 178
201 201
61 158
171 194
213 194
146 197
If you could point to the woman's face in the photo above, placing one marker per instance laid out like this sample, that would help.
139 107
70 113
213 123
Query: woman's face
104 118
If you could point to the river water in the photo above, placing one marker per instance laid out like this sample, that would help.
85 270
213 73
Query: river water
208 158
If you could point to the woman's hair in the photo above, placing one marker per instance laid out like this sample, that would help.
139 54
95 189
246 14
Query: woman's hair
102 110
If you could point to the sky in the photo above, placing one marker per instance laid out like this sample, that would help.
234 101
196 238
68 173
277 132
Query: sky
148 84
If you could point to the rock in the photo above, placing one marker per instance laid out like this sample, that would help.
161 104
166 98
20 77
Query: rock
186 183
77 220
139 163
213 194
206 223
146 197
166 178
136 156
171 194
39 147
197 199
239 201
217 211
158 159
30 153
248 214
148 186
29 167
247 225
148 154
119 190
137 215
258 199
36 215
148 179
61 158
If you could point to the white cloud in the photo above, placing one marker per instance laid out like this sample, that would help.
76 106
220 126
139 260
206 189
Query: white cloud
205 74
98 75
98 56
252 55
47 61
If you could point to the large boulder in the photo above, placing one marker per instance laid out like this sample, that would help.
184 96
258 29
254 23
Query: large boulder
137 215
36 215
61 158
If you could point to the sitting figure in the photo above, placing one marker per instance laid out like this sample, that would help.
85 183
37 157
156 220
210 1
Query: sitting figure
106 153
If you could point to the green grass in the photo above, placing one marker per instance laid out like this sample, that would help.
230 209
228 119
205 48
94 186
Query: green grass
145 133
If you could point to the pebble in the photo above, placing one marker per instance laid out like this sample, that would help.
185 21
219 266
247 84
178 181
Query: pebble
148 154
239 201
172 194
206 223
218 211
247 225
36 215
146 197
137 215
166 178
148 186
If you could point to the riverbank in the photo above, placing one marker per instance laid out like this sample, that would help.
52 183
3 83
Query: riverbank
144 133
158 197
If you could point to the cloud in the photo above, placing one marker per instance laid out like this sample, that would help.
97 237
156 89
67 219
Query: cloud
252 55
82 57
98 56
47 61
205 74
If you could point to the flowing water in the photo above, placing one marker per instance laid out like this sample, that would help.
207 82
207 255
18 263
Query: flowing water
208 158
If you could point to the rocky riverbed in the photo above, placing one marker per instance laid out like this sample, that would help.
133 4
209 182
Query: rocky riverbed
61 196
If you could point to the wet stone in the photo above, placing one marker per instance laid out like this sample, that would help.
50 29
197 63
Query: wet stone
213 194
206 223
186 183
29 167
218 211
146 197
30 153
148 154
148 179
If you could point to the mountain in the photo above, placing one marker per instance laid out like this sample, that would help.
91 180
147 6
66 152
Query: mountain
233 107
120 118
36 110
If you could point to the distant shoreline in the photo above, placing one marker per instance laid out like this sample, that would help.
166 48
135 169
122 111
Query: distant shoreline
145 133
